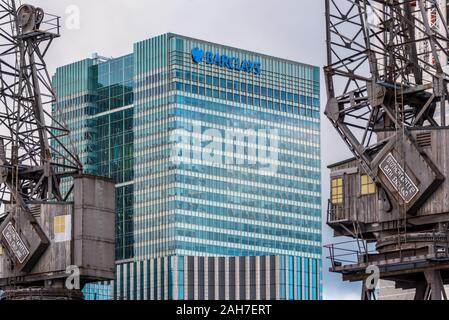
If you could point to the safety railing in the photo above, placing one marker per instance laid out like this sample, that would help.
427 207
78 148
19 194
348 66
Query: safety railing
360 251
348 253
51 24
335 212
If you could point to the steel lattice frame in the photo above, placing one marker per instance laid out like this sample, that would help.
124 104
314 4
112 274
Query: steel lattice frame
374 50
31 165
387 75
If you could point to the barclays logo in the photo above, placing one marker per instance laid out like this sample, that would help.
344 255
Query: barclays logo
224 61
197 55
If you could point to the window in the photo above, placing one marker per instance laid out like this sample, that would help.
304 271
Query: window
368 186
59 224
208 92
283 95
337 190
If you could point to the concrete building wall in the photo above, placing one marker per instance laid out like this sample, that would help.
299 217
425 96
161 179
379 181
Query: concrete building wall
387 291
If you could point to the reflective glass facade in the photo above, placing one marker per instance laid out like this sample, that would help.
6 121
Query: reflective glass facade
209 161
96 101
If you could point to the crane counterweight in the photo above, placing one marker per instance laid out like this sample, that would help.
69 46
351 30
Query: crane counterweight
50 222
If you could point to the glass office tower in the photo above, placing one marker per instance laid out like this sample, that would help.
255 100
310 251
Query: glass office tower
216 156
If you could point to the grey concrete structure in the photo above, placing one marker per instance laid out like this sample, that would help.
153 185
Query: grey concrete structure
388 291
218 278
81 234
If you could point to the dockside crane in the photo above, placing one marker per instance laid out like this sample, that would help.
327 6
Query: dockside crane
387 85
49 223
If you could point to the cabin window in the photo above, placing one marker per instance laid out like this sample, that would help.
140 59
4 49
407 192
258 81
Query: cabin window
367 185
59 224
337 191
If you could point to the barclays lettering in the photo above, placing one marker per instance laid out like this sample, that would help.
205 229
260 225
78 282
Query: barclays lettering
224 61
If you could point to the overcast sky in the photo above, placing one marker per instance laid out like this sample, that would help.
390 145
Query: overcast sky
292 29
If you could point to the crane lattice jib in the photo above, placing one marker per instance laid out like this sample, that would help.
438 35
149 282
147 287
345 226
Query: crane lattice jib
31 140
